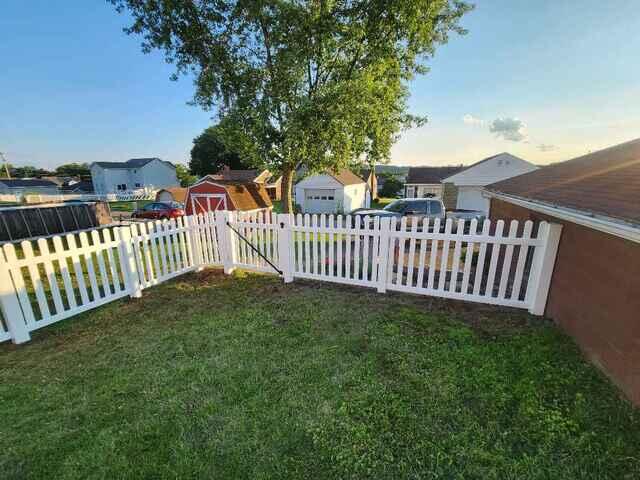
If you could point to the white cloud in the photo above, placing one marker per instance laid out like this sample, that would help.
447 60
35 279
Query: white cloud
509 128
545 147
469 119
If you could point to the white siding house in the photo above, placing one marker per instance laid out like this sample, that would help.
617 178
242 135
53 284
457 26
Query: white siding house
332 193
134 174
471 181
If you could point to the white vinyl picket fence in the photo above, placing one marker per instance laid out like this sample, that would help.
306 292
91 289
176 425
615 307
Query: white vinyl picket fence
44 281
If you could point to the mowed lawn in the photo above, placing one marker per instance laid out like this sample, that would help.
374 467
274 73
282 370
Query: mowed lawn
220 377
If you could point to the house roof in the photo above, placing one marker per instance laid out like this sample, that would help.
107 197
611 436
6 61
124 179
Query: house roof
27 182
346 177
131 163
244 195
490 170
260 176
606 182
179 194
430 175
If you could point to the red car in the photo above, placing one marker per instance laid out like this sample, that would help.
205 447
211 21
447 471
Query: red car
160 211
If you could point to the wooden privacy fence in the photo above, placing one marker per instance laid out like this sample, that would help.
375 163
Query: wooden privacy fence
44 281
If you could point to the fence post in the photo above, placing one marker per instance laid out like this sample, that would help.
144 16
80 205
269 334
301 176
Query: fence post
544 260
225 240
196 254
11 310
131 279
383 256
285 246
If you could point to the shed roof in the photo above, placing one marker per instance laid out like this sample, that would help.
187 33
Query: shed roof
430 175
606 182
244 195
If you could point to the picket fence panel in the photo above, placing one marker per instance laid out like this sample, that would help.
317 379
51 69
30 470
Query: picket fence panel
45 281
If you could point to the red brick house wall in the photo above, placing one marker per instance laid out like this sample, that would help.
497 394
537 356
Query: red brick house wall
594 295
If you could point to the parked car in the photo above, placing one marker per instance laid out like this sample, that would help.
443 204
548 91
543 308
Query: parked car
417 209
159 211
414 209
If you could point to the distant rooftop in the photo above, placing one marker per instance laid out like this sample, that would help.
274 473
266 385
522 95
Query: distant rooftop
132 163
27 182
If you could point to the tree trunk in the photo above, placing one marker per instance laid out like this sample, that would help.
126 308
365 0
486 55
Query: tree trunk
287 190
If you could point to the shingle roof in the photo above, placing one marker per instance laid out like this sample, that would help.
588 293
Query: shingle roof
346 177
430 175
244 195
179 194
27 182
606 182
131 163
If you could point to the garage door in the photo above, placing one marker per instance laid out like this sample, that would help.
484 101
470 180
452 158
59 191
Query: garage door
319 201
470 198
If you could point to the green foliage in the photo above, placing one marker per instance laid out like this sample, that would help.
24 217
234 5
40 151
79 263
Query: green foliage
184 176
319 83
73 170
28 171
211 376
212 150
391 187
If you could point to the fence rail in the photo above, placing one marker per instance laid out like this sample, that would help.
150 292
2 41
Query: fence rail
45 281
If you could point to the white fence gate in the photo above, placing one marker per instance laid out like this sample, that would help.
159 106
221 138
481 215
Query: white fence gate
44 281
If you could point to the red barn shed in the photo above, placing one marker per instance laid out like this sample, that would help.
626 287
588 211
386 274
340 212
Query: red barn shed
209 194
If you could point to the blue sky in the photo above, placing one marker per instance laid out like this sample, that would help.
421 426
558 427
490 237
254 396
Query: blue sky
546 80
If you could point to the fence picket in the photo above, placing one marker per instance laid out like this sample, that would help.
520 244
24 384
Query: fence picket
433 257
422 253
64 272
506 264
522 256
468 259
457 249
51 276
495 253
77 268
477 282
111 261
444 261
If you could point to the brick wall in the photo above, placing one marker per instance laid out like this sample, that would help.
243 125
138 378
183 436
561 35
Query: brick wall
594 295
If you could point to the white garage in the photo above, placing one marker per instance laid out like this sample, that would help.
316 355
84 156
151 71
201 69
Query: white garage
470 182
331 193
470 198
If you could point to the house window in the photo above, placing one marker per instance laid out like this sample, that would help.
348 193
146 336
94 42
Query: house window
138 185
121 186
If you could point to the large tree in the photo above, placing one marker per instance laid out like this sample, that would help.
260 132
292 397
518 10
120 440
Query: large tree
316 82
210 153
73 169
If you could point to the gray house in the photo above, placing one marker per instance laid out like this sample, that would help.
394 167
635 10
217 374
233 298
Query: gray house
134 174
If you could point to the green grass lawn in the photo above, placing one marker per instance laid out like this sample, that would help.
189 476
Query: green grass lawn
219 377
128 206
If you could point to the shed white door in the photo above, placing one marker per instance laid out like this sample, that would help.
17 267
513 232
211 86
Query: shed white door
319 200
470 198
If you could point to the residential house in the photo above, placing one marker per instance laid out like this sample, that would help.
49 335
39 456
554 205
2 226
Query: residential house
331 192
427 181
272 183
26 186
134 174
464 189
594 292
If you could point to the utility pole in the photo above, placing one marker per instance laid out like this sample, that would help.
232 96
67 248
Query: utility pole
6 164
